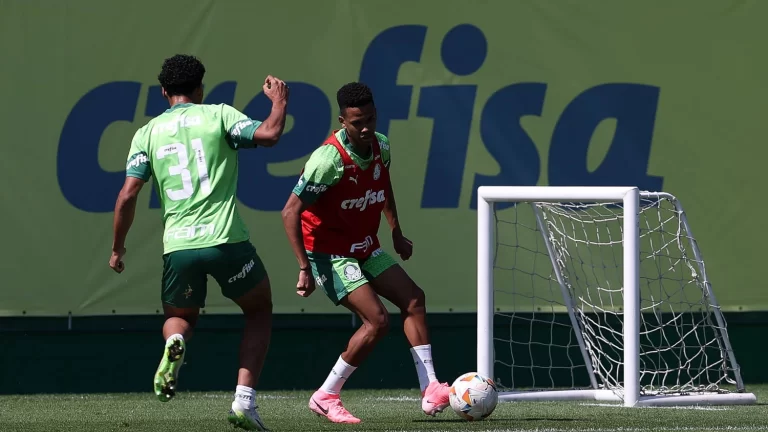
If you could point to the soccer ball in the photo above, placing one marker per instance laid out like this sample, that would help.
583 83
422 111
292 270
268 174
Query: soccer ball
473 396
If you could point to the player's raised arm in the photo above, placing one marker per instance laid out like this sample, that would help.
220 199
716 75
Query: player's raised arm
270 130
243 132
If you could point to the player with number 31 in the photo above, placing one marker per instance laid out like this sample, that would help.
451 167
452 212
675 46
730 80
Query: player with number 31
191 150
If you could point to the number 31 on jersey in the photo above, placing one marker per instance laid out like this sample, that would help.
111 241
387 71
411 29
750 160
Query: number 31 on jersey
181 169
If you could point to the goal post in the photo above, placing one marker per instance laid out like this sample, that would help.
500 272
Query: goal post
605 296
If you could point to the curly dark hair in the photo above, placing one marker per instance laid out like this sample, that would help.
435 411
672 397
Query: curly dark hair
354 95
181 75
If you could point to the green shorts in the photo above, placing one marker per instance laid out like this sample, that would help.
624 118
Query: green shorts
338 276
235 266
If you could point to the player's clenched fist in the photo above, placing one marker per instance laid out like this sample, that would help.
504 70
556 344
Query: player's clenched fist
402 245
116 260
306 285
275 89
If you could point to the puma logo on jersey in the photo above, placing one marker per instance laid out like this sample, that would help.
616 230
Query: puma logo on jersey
371 197
354 179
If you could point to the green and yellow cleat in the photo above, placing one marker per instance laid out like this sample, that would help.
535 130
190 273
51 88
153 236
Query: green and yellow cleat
247 419
167 373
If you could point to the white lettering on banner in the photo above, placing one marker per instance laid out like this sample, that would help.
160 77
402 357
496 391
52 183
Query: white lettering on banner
363 245
371 197
189 232
246 269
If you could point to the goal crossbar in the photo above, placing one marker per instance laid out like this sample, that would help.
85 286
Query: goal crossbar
629 199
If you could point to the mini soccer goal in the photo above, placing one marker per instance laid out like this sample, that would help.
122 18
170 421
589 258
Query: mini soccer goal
603 295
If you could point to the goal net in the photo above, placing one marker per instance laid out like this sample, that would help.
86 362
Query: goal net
598 293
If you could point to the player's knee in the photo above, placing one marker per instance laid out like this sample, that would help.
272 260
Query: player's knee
189 320
417 302
189 315
258 308
257 301
378 325
192 320
262 307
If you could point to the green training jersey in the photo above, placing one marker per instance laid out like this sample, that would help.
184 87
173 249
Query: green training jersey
191 150
325 167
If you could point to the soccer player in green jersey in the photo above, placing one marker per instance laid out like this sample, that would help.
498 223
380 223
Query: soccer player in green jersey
332 221
191 150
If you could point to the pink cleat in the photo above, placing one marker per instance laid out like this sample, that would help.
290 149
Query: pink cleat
435 398
330 407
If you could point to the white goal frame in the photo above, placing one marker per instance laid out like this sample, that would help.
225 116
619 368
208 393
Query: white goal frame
631 392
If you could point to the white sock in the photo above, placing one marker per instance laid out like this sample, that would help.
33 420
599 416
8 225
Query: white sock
422 358
338 376
246 396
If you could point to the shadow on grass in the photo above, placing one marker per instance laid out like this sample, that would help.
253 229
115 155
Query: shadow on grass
497 419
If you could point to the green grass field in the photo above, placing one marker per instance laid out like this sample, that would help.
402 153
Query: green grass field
379 410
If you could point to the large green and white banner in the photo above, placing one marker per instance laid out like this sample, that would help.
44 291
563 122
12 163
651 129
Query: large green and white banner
662 95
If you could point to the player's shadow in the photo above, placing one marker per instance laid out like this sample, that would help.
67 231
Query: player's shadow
497 419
